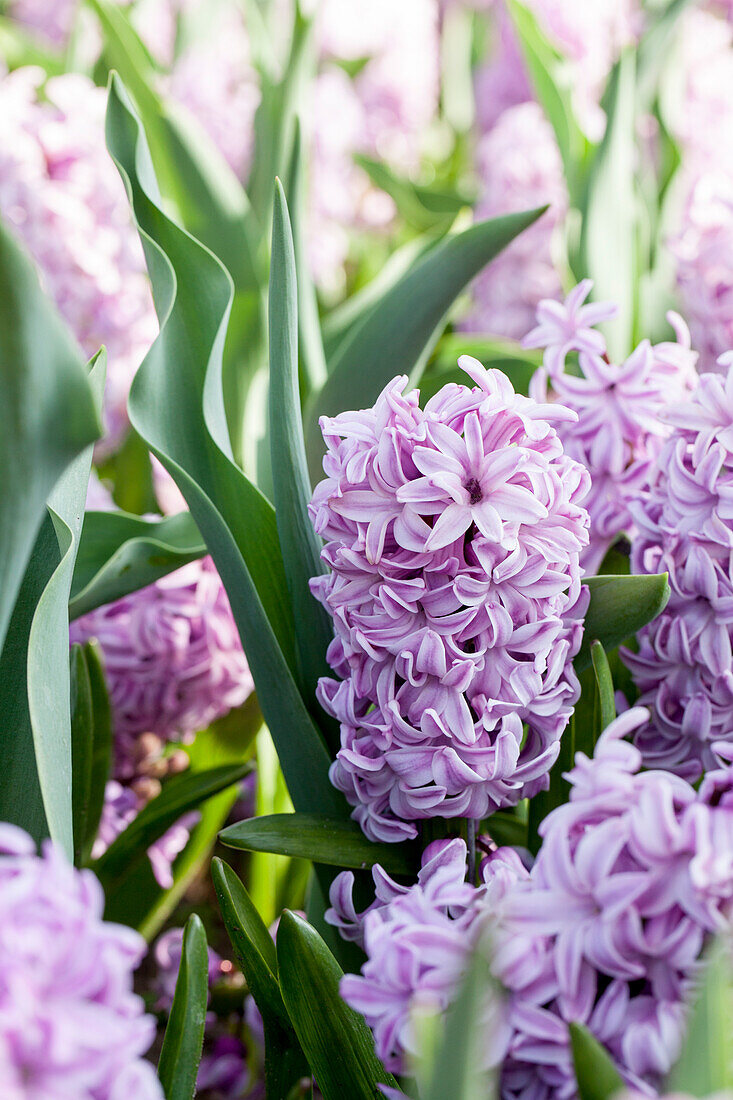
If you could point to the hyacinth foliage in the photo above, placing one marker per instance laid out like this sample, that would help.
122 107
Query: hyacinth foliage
456 448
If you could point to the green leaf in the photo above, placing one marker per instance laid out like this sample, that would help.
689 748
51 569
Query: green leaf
120 553
176 405
597 1076
423 208
332 841
184 1036
312 355
397 335
458 1067
255 952
335 1039
705 1066
48 413
179 795
91 744
551 82
301 546
619 606
604 684
607 241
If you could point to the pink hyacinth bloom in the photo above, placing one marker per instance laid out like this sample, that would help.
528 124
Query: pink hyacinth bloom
607 928
61 194
453 536
685 527
520 169
619 428
71 1026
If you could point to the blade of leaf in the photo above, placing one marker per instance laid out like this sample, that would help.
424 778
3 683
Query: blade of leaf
604 684
335 1039
301 546
424 208
82 747
120 553
184 1035
597 1076
101 743
397 336
177 407
705 1066
48 413
619 606
179 795
333 841
607 246
253 945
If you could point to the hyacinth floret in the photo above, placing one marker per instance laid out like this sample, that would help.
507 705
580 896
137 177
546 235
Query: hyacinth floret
619 429
685 527
71 1026
452 535
634 874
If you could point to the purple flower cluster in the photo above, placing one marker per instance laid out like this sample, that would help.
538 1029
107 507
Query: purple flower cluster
634 874
453 537
71 1027
618 432
173 658
685 527
61 194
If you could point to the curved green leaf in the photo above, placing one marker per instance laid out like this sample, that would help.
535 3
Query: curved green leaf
335 1039
458 1070
332 841
607 242
397 335
48 413
301 546
619 606
176 405
184 1036
604 684
597 1076
179 795
424 208
120 553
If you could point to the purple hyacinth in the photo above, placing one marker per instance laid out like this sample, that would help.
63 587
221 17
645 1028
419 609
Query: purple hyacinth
618 431
173 659
453 535
685 527
61 194
634 875
71 1026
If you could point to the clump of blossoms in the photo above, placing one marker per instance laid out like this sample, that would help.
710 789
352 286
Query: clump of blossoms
635 873
618 431
70 1025
685 527
453 537
61 194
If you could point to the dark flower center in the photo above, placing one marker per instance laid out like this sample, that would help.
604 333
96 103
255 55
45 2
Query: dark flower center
473 489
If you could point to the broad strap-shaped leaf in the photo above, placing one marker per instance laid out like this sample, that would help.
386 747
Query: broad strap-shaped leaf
335 1039
183 1042
607 241
619 606
176 405
604 684
398 334
550 80
301 546
83 721
48 413
255 951
597 1076
424 208
120 553
179 795
705 1065
332 841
